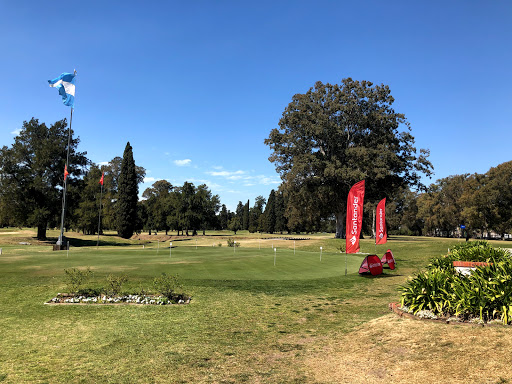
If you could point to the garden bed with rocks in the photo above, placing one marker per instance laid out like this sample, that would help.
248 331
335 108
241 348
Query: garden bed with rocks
429 315
68 298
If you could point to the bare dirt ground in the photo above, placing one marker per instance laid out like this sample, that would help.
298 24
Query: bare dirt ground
391 349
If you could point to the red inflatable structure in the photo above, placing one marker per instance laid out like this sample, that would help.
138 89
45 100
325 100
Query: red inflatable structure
371 264
388 259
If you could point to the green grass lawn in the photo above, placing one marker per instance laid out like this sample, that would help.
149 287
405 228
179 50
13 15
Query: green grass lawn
249 321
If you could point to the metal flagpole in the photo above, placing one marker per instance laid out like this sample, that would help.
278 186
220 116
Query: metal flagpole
375 229
61 240
99 217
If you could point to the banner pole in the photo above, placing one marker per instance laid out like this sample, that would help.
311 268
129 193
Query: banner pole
99 217
345 263
375 229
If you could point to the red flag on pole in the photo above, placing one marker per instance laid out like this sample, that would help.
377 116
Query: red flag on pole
354 216
101 180
381 236
66 173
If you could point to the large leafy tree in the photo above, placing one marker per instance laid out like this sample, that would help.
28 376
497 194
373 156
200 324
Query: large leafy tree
87 212
32 173
207 205
336 135
112 172
158 205
127 195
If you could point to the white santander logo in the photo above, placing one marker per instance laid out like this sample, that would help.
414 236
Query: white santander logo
353 240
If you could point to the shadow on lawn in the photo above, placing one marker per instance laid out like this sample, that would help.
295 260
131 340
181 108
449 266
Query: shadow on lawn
77 242
382 276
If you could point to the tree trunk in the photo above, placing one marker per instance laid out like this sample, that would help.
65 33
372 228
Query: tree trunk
340 218
41 232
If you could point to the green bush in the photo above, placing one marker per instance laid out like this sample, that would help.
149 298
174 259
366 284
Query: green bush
115 283
233 243
486 293
166 285
76 278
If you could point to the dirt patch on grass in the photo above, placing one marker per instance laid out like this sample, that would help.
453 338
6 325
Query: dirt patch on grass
394 350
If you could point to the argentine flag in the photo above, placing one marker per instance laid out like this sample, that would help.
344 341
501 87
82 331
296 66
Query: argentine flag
65 83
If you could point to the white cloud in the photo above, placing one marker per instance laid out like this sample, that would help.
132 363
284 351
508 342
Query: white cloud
16 132
149 179
103 163
236 175
182 163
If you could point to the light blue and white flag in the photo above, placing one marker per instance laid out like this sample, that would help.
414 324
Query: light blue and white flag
65 83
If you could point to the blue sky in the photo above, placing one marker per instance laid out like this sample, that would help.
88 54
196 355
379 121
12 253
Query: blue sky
197 86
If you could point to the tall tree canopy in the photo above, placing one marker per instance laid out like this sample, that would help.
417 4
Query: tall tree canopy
336 135
127 195
32 173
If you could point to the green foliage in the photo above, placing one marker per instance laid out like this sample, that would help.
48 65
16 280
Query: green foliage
335 135
232 243
486 293
76 277
127 198
479 250
166 285
115 283
270 213
32 173
234 224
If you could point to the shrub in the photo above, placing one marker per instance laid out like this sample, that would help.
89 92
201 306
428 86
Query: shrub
76 278
233 243
166 285
114 284
486 293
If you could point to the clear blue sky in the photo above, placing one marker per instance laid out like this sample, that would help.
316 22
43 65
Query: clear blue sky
196 86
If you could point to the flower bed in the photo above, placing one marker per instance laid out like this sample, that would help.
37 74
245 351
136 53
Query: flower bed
484 295
66 298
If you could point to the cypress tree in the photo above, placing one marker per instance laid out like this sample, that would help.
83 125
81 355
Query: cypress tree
279 209
270 213
224 217
245 225
127 198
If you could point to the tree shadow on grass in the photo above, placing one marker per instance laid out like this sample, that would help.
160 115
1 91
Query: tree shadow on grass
381 276
77 242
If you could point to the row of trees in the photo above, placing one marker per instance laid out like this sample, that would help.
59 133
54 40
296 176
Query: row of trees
482 203
328 138
32 175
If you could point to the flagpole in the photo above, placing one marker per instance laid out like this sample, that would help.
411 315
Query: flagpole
99 216
61 241
375 229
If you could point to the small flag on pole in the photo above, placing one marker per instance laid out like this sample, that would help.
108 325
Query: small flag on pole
65 83
102 176
66 173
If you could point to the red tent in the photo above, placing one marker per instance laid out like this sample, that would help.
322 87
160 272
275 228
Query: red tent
371 264
388 259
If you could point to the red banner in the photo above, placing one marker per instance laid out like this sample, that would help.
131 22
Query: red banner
381 234
66 173
101 180
354 216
